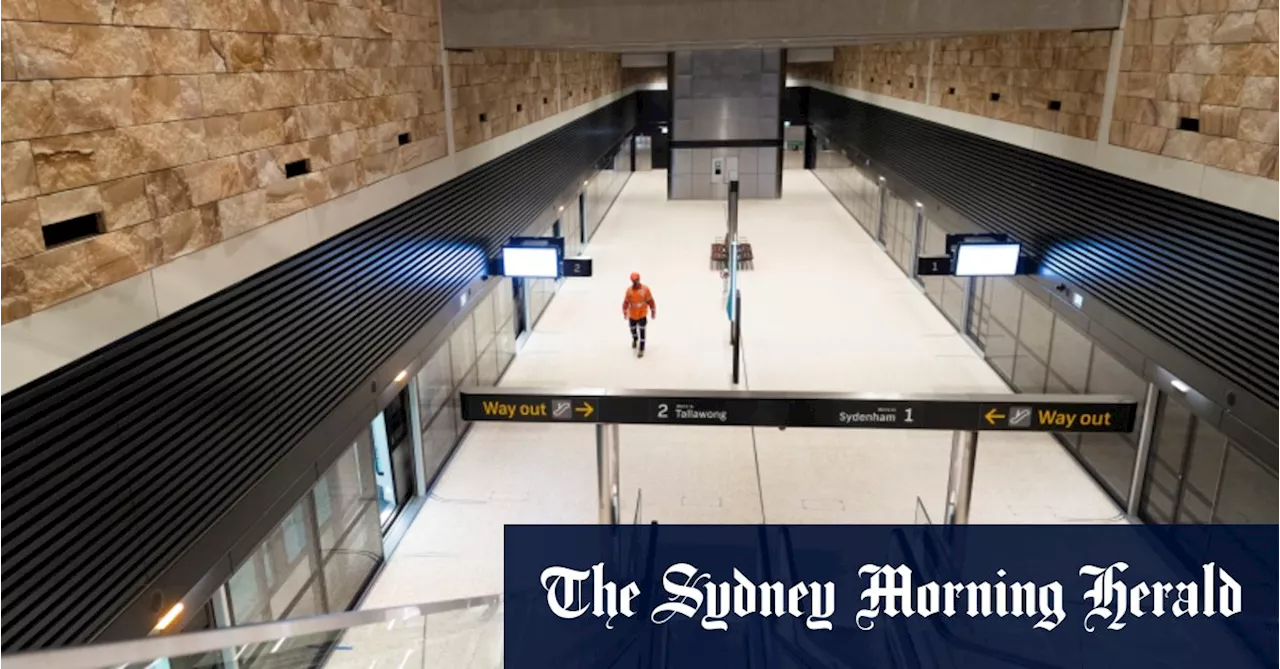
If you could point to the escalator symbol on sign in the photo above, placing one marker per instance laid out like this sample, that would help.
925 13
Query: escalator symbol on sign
1020 417
562 409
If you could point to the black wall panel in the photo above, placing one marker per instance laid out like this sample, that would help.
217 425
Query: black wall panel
653 113
653 108
116 464
795 105
1200 275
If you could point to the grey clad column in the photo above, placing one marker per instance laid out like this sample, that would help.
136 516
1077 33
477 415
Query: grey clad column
726 110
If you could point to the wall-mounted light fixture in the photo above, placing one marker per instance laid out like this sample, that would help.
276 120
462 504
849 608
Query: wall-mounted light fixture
402 376
167 619
1180 385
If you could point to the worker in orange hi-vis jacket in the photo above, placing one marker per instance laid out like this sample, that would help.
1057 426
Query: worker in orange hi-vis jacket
636 306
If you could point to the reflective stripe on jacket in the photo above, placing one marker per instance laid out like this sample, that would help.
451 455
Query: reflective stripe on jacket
638 302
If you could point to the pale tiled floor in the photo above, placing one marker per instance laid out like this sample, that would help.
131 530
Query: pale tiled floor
824 309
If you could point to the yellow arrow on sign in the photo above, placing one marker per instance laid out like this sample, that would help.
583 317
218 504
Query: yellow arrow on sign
586 409
992 416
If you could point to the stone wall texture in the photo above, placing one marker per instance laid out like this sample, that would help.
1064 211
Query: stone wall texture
1197 79
173 120
1210 64
1051 80
500 90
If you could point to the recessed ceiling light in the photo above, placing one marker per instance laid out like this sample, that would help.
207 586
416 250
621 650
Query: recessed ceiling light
1180 385
404 374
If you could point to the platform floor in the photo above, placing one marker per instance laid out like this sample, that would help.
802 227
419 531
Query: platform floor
824 309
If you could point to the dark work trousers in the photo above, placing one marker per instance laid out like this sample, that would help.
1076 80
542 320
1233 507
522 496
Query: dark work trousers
637 332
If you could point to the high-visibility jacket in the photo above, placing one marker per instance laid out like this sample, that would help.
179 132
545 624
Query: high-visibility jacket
638 302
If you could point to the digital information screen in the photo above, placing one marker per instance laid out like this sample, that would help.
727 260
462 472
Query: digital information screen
987 259
537 262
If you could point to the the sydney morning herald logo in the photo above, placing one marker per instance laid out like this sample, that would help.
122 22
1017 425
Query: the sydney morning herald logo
891 591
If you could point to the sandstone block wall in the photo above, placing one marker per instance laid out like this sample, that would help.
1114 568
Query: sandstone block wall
1197 79
496 91
899 69
1050 80
173 121
1209 64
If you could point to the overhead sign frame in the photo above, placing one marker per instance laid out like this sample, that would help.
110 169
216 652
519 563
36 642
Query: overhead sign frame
974 413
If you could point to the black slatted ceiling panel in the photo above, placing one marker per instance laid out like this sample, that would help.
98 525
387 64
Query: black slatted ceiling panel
1200 275
116 464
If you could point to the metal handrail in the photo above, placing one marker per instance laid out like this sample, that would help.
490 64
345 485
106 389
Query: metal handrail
121 653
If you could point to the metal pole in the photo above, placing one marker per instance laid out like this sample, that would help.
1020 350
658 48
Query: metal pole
737 336
731 247
1146 430
964 449
733 212
615 488
607 473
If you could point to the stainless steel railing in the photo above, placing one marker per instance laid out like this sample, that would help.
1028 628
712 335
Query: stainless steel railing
324 639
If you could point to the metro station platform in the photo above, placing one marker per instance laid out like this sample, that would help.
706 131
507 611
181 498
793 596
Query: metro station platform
824 309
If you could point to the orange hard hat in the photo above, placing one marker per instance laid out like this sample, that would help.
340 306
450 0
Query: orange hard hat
635 276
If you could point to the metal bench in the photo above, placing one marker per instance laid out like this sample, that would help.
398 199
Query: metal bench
720 254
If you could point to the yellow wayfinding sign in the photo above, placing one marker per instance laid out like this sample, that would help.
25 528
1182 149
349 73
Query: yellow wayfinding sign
1068 419
1061 418
549 409
498 409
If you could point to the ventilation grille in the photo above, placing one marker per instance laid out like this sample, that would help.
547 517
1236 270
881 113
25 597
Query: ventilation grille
116 464
1200 275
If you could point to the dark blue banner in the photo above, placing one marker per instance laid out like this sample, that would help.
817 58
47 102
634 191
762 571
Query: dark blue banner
916 597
